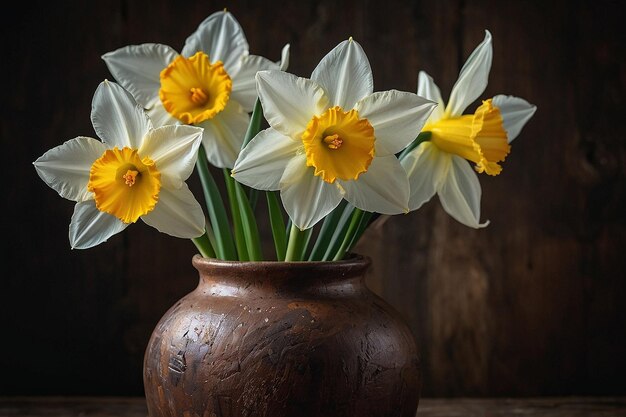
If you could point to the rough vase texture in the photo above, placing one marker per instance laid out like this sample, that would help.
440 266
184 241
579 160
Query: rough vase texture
260 339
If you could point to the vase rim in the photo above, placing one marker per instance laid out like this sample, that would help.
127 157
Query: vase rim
352 260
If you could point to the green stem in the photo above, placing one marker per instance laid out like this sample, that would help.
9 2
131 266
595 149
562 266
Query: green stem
224 247
295 243
203 244
352 228
304 245
423 136
240 240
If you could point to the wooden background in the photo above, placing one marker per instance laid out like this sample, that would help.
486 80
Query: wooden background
531 305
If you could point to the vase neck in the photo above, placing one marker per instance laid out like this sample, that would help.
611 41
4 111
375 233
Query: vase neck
314 279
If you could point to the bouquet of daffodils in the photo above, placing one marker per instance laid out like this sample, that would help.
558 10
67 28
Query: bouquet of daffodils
335 157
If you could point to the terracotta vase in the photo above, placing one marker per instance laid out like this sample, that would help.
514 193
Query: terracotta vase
282 339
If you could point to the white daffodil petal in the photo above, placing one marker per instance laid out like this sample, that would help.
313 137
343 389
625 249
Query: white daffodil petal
244 83
66 167
425 167
345 74
262 162
220 37
472 79
90 227
427 88
397 118
117 118
283 64
137 68
460 193
384 188
515 113
174 150
223 135
306 198
289 102
177 213
159 116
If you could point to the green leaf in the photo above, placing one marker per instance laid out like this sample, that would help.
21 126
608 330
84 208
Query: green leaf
255 123
366 220
339 233
240 240
248 222
355 220
224 246
329 226
277 224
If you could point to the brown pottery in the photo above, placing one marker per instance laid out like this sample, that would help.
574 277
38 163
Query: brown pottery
282 339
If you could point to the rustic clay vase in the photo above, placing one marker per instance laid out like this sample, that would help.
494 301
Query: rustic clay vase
282 339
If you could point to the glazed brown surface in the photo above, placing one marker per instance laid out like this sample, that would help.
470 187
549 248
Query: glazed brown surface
269 339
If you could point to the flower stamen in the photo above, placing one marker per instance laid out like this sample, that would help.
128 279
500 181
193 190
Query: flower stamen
198 95
130 177
333 141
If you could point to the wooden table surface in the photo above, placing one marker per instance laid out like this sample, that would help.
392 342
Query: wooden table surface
458 407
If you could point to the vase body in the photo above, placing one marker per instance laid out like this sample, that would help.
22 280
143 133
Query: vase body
281 339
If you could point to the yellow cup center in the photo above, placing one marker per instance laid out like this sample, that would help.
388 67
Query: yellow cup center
339 145
194 90
478 137
124 184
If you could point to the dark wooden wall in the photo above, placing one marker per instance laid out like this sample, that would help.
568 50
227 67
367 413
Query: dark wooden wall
531 305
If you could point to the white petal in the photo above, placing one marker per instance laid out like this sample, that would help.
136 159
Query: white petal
460 193
159 116
90 227
283 64
289 102
223 135
472 79
515 113
220 37
425 167
117 119
397 118
427 88
306 198
262 162
244 83
174 149
177 213
137 68
66 167
384 188
345 74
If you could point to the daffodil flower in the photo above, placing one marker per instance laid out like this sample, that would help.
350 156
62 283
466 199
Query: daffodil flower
331 137
210 84
135 172
440 166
